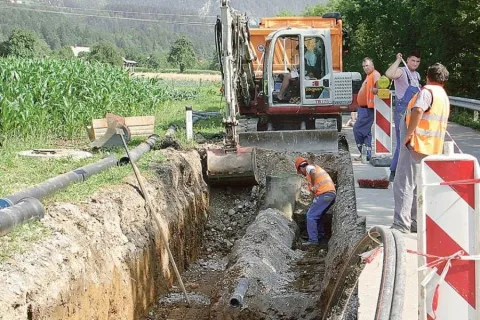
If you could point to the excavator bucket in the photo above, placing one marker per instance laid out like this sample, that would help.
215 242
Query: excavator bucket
315 141
235 169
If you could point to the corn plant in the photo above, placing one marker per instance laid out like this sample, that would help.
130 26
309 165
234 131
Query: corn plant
58 98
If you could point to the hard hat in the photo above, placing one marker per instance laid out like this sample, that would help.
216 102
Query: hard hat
300 161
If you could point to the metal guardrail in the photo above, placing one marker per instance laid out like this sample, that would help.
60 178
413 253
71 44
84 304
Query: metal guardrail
465 103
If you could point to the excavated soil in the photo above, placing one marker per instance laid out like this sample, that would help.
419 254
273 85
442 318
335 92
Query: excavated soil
105 258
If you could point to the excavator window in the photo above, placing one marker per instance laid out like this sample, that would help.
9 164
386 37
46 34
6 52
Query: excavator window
285 69
314 57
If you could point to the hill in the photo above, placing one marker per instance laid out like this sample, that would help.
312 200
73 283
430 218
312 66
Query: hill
138 27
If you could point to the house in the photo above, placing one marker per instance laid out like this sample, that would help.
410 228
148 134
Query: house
76 50
129 64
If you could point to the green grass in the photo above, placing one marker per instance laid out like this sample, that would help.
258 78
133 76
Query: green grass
465 118
21 239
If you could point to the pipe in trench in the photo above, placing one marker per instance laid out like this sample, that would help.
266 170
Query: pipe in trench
236 300
25 210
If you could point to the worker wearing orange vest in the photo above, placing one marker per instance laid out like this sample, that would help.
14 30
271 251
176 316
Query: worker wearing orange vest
323 189
362 130
422 134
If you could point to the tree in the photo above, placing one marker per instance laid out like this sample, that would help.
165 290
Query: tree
182 54
65 53
286 13
25 44
105 52
317 10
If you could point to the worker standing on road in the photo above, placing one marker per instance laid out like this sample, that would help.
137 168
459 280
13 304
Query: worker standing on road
324 194
422 134
407 83
362 130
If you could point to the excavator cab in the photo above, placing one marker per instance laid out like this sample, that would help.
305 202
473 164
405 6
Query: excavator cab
298 68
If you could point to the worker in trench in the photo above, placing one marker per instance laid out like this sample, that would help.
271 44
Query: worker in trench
323 191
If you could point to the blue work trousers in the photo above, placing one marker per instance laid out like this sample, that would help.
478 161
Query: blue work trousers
362 130
314 215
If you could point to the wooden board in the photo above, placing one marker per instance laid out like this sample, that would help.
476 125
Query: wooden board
138 126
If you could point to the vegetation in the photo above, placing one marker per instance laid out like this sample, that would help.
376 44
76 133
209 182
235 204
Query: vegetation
51 97
106 52
182 54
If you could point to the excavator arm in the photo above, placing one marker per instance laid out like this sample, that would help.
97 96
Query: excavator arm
233 165
236 56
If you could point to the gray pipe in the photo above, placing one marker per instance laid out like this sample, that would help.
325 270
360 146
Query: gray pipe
236 300
27 209
60 182
139 150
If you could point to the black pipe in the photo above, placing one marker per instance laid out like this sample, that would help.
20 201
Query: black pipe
400 277
387 283
25 210
236 300
60 182
139 150
393 273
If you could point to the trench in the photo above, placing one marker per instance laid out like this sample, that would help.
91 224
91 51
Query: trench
244 237
106 260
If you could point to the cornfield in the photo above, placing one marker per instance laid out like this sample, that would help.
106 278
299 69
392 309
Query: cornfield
58 98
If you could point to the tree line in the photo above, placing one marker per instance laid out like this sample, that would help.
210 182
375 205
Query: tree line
445 31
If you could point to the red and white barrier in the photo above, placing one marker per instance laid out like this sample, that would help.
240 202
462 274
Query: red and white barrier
383 126
449 237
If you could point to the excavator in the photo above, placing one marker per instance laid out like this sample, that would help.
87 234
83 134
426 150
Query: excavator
289 99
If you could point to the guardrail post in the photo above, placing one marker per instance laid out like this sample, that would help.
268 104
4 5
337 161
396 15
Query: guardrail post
475 116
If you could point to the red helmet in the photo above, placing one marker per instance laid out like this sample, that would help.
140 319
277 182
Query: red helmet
300 162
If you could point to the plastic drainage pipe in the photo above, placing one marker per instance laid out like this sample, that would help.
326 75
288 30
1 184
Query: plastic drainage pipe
136 153
60 182
236 300
27 209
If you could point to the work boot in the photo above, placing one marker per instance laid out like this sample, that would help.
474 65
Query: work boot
309 243
413 228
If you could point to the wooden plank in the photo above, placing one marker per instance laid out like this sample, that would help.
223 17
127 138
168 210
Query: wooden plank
138 126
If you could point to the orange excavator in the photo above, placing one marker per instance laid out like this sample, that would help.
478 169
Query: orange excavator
284 89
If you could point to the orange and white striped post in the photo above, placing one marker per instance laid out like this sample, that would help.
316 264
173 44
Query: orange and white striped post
382 132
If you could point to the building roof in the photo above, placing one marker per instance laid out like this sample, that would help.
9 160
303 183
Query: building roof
76 50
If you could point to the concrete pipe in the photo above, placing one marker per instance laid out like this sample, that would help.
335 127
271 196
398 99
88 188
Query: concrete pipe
236 300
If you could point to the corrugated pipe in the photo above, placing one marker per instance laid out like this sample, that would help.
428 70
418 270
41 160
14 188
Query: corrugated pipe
236 300
27 209
60 182
136 153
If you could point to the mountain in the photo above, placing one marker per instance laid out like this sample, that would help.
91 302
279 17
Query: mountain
141 26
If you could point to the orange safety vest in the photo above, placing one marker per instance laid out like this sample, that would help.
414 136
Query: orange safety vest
370 85
323 183
362 95
429 135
